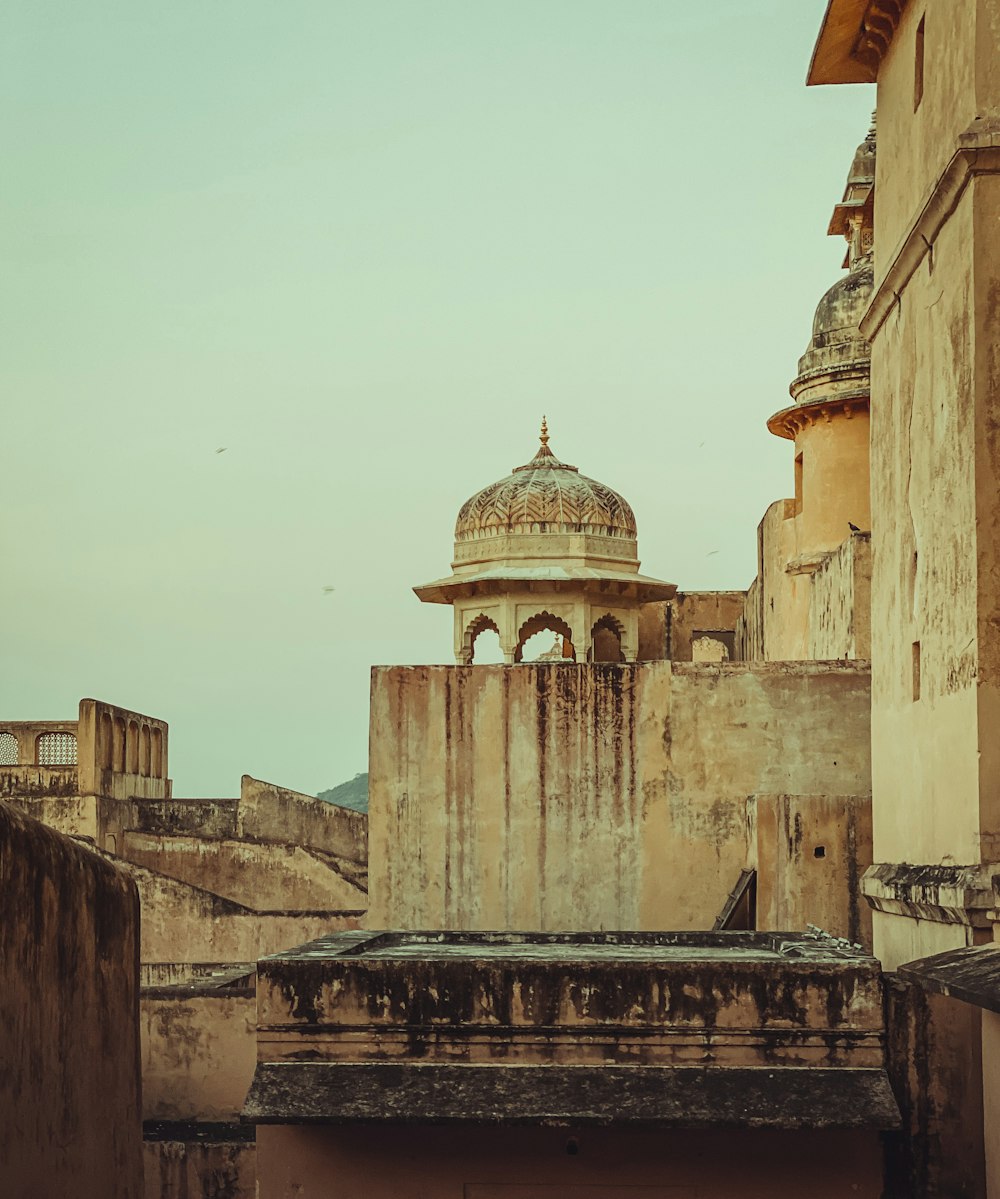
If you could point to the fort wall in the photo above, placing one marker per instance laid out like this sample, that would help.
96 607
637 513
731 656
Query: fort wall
70 1116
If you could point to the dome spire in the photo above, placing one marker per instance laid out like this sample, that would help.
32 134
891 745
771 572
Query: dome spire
543 455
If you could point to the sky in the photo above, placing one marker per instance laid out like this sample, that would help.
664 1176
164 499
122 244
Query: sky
361 246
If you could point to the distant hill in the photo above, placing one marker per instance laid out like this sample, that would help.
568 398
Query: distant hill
353 794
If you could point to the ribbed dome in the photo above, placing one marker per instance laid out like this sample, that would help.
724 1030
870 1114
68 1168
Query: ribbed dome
545 496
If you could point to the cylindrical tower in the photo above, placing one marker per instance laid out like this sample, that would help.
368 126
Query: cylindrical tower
828 421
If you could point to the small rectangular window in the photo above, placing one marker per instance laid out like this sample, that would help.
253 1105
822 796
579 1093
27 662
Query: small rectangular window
798 483
918 66
916 671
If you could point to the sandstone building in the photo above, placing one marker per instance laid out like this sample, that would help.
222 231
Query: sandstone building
590 962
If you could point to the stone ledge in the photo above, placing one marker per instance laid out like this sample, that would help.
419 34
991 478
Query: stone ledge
971 975
944 894
225 1132
638 1096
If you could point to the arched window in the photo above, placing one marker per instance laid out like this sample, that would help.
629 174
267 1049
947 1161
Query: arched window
107 742
535 640
118 757
481 643
156 766
8 749
56 749
132 748
709 649
144 751
606 640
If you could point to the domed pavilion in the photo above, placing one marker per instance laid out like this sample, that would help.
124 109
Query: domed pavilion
547 548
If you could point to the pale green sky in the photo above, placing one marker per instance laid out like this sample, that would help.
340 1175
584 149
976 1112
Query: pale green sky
364 246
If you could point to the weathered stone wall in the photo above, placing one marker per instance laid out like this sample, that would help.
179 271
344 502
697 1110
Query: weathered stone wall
274 814
811 853
485 1163
273 878
748 638
123 754
602 797
925 731
185 923
933 1051
840 604
198 1052
914 147
991 1093
70 1117
667 630
200 1169
775 621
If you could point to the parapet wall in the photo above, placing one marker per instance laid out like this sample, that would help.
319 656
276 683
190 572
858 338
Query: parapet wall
561 796
107 753
70 1116
840 605
123 754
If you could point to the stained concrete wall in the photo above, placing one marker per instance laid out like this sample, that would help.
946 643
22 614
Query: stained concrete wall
811 852
991 1097
123 754
208 1169
70 1117
774 626
667 630
915 146
183 923
552 796
198 1053
934 1056
270 813
835 486
478 1163
840 604
278 878
926 571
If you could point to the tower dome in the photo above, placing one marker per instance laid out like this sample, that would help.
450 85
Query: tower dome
545 547
545 496
837 362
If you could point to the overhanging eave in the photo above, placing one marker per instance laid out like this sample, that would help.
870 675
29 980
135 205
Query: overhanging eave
833 59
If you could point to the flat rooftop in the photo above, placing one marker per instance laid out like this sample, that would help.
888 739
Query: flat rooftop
568 947
649 1029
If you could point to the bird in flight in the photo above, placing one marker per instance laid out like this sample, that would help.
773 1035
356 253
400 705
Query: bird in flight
328 590
222 449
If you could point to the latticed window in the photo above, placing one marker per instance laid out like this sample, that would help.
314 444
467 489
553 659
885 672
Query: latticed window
57 749
8 749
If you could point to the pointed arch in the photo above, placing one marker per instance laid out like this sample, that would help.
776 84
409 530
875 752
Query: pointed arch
478 624
607 640
540 623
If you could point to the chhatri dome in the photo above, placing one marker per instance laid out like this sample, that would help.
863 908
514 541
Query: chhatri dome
547 548
546 495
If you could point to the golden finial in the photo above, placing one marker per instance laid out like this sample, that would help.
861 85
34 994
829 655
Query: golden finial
544 436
